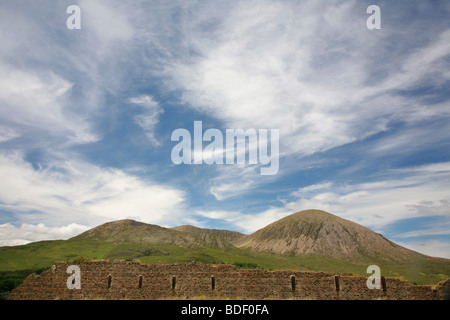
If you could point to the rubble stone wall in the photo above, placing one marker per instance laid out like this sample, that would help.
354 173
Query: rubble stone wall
132 280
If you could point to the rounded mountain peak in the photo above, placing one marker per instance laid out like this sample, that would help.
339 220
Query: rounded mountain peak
308 215
317 232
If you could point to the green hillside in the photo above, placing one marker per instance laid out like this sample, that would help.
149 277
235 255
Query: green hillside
150 244
17 262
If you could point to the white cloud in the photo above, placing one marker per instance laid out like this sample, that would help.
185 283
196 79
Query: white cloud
149 118
227 190
441 208
233 180
7 134
380 203
247 223
434 248
11 235
225 215
106 19
37 100
75 191
52 92
439 230
407 193
253 222
427 60
56 80
314 187
305 69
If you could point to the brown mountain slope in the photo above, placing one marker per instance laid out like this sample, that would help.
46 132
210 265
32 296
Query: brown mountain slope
229 236
309 232
138 232
320 233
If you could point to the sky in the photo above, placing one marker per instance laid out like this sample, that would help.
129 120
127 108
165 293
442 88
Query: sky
87 115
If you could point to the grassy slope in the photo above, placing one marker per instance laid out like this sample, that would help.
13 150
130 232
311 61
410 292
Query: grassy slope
42 254
37 256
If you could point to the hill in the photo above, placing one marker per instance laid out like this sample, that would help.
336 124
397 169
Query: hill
226 235
131 231
316 232
310 240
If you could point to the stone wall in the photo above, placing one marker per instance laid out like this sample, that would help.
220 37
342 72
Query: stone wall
132 280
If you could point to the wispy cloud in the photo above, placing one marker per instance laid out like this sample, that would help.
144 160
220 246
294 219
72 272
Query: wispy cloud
399 196
7 134
412 192
314 85
34 99
149 118
433 248
346 100
110 23
246 222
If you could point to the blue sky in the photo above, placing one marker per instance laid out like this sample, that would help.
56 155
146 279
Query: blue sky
87 115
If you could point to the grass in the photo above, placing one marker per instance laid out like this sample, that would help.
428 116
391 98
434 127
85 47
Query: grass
44 253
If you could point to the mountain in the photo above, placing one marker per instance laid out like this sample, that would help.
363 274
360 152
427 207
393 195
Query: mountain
131 231
231 237
316 232
310 240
